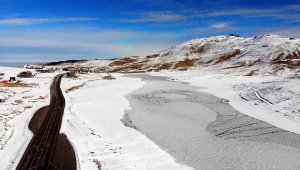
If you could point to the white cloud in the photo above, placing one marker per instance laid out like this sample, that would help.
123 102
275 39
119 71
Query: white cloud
157 17
220 25
69 44
31 21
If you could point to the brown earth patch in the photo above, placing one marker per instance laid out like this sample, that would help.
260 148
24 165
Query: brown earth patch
291 64
75 88
27 107
134 67
251 73
18 84
41 98
19 101
289 57
228 56
184 65
199 49
164 66
237 65
252 63
122 61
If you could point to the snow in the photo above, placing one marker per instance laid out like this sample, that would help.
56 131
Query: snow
15 116
93 112
277 107
96 63
210 134
92 124
258 53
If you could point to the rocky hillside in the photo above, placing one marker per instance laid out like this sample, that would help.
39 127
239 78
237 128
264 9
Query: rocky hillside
268 54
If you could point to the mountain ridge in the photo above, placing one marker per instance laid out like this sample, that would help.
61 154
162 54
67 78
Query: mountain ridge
273 53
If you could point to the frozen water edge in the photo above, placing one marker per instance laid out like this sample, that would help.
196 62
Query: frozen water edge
183 122
236 90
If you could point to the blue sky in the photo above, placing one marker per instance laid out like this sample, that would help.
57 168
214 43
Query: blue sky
35 30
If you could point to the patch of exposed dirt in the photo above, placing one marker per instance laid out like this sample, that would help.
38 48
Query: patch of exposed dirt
237 65
164 66
19 101
251 73
291 64
18 84
184 65
228 56
289 57
129 68
27 107
41 98
123 61
199 49
75 88
252 63
98 163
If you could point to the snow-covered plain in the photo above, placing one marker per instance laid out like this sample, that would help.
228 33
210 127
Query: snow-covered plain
92 123
16 112
93 114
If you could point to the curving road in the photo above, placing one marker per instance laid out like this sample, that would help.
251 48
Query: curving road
40 150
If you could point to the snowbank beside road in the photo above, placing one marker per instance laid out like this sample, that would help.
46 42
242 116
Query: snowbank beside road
92 124
243 91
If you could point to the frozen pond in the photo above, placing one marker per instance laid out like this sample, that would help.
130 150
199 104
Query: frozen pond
205 132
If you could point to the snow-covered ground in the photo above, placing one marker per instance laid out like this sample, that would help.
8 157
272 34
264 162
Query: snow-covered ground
273 99
16 112
94 110
92 124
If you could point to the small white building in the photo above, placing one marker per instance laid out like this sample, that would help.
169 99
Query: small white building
2 98
37 67
1 76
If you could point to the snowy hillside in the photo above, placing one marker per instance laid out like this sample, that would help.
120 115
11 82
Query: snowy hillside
263 54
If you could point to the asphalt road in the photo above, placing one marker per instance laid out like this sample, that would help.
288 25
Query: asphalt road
40 150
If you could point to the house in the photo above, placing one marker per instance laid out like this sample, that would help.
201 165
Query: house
2 99
46 71
37 67
109 77
11 79
71 74
75 70
25 74
1 75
